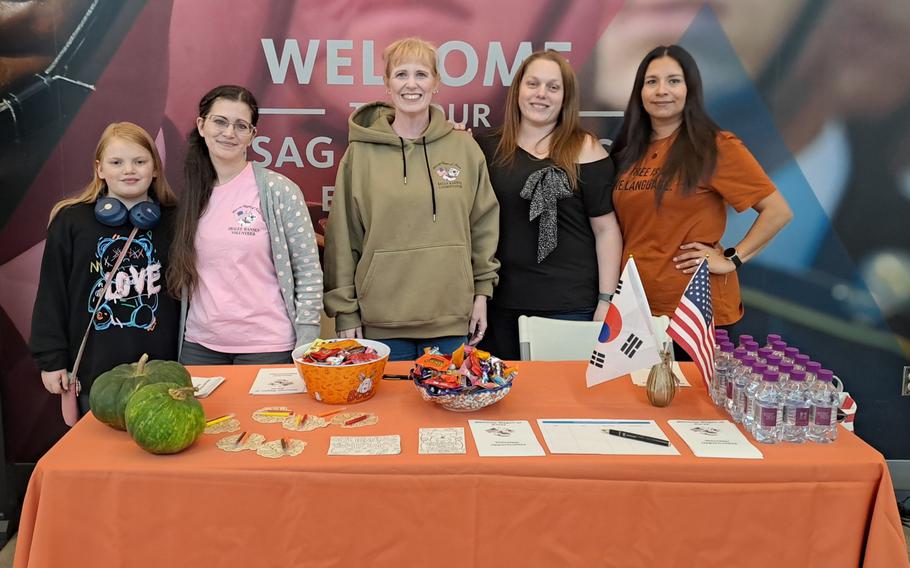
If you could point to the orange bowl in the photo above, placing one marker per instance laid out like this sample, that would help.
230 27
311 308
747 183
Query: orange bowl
342 384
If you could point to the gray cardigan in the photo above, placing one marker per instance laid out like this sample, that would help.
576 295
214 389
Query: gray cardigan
294 253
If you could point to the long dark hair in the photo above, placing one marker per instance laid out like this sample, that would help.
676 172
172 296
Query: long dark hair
199 177
693 155
568 136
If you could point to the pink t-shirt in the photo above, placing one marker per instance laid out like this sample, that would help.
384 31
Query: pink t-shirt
237 306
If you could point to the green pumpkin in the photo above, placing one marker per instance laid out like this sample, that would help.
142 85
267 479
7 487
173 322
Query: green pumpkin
164 418
113 389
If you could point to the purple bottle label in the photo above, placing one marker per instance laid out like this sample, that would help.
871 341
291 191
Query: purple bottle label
801 417
768 416
822 416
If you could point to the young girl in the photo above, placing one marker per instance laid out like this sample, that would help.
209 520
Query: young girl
245 253
85 236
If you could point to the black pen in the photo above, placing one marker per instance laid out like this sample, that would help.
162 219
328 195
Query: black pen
638 437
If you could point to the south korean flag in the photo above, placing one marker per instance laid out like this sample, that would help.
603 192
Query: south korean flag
626 341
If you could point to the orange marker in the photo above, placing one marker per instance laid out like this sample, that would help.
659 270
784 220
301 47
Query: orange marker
330 412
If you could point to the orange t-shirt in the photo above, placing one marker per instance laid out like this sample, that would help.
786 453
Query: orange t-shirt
653 236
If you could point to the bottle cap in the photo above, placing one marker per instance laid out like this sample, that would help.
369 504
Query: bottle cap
813 367
726 347
785 367
739 353
743 339
825 375
765 352
771 376
748 360
791 352
772 337
759 367
773 360
801 359
797 375
779 345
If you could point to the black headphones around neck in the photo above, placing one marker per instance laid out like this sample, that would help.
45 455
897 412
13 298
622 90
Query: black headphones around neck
112 212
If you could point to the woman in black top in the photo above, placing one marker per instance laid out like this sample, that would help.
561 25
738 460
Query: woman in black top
559 241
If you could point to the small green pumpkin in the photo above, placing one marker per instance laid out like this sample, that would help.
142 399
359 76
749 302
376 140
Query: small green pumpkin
113 389
164 418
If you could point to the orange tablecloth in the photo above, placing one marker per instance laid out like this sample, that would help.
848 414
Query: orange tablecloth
96 499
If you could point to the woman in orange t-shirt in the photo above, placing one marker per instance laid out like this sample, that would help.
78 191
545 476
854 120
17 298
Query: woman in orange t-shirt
678 171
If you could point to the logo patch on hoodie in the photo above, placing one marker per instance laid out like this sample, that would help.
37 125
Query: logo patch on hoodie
447 175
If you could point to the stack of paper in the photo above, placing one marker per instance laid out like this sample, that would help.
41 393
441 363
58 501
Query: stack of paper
715 439
592 436
205 385
505 438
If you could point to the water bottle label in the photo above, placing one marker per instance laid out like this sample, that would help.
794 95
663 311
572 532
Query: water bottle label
822 416
768 416
730 390
802 416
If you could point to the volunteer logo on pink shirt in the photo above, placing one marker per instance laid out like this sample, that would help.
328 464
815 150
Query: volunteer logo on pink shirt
248 221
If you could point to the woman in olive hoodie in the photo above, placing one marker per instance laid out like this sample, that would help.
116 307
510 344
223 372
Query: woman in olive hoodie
411 238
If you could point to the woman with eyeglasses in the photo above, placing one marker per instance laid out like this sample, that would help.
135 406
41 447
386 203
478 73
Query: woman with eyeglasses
244 259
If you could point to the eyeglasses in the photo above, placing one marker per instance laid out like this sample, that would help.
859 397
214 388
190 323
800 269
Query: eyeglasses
241 129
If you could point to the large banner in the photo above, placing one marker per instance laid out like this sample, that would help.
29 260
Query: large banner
819 92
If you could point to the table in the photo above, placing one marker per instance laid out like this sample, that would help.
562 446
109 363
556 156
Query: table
96 499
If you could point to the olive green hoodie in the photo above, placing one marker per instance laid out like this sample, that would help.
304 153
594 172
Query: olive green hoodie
413 230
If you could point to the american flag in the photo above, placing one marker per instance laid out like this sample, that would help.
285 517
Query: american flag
692 324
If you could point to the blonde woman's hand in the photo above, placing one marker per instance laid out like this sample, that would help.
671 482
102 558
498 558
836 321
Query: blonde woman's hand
353 333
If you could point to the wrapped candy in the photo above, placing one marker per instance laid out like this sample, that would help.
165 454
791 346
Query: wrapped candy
344 352
468 370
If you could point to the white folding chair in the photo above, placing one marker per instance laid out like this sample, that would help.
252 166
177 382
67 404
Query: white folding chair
545 339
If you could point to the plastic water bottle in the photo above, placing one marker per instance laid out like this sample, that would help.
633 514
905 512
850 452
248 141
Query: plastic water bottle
721 335
812 369
790 354
723 365
743 339
773 362
768 406
751 348
772 337
739 380
764 353
753 381
778 348
784 370
823 401
800 361
796 408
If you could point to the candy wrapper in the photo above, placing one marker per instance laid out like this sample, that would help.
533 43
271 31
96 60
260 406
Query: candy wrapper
346 352
467 370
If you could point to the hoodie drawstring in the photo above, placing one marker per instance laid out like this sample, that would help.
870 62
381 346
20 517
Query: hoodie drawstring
404 162
426 159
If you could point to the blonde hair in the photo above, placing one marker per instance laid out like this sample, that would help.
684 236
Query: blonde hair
409 49
128 132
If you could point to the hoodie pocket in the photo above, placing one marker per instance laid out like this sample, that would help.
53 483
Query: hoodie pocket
416 285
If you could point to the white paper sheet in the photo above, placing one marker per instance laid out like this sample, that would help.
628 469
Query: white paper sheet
505 438
364 445
640 377
206 385
441 441
715 439
278 381
590 436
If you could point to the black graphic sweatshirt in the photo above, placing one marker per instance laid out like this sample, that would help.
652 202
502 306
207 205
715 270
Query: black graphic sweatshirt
137 316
